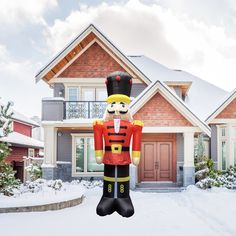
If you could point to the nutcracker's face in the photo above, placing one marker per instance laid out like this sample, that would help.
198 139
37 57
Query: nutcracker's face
118 110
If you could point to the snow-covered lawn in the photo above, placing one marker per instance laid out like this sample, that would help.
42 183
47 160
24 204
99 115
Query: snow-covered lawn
43 193
192 212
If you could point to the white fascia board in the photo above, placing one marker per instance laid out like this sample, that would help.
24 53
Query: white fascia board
173 99
71 80
223 121
222 106
170 129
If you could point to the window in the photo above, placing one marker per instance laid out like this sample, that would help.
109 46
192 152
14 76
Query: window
223 155
30 152
234 153
73 94
234 143
84 155
223 131
88 93
234 132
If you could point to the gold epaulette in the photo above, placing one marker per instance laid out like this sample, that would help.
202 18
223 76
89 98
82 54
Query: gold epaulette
138 122
98 122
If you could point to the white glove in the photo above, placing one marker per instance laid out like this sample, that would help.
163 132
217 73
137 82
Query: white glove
99 159
135 160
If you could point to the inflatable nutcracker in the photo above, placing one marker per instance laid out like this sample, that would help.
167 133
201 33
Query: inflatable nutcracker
112 146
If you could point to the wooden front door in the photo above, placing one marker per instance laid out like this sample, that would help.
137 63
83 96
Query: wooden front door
157 162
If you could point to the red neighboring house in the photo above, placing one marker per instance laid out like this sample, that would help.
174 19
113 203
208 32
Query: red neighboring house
22 143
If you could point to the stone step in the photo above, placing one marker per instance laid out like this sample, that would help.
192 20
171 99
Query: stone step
156 184
160 189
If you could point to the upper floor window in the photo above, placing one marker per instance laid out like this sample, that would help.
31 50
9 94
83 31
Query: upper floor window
223 131
234 131
86 94
73 93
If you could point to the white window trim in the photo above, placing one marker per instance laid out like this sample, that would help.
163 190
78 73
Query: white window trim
81 174
79 87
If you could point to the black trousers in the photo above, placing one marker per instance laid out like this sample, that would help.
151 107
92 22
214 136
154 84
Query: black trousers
116 192
116 181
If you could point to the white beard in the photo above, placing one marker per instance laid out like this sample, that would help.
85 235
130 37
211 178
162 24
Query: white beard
117 125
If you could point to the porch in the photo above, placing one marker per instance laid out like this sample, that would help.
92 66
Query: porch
174 152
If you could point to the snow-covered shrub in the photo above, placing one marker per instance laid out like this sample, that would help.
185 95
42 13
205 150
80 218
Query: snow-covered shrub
216 178
55 184
8 182
34 170
33 186
203 167
92 184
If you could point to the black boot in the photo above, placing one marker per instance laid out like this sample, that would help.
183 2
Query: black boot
106 206
124 204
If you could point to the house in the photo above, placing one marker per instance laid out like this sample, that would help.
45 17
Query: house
173 104
222 121
22 144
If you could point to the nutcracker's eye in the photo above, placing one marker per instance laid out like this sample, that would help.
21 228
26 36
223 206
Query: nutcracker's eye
123 108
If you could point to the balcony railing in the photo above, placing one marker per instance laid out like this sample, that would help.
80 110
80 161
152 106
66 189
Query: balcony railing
84 109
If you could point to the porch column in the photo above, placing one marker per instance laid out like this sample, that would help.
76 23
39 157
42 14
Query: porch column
50 145
188 168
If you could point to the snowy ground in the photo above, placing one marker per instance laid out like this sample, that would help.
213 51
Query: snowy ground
192 212
43 194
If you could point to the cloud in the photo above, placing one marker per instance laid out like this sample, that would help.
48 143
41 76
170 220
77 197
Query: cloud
15 13
175 40
18 84
134 27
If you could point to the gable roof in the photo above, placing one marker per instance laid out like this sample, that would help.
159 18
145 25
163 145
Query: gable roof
222 105
68 53
156 86
199 92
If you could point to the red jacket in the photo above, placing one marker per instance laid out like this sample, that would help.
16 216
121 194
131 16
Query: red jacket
116 148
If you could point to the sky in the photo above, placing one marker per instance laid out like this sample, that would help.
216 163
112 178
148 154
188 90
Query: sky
192 35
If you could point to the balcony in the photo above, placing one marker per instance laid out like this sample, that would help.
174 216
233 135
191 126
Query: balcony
57 109
84 109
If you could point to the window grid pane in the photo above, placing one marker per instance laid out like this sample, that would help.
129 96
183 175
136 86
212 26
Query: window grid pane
80 155
73 94
92 166
223 155
234 153
234 132
223 131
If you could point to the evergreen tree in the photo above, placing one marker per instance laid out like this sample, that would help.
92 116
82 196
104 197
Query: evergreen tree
7 176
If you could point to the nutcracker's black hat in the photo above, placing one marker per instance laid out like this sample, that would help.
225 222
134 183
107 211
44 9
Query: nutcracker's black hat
118 87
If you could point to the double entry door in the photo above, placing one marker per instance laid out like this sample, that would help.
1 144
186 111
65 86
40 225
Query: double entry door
156 161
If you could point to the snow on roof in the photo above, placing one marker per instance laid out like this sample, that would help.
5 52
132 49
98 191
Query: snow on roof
20 139
20 117
221 104
202 96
